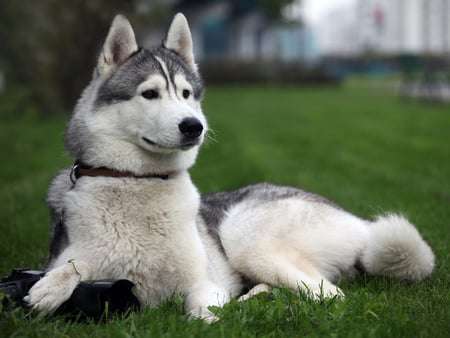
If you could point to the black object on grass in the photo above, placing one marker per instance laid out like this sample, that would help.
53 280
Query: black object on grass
91 299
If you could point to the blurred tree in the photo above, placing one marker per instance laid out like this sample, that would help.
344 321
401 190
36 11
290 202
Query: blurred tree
51 46
14 39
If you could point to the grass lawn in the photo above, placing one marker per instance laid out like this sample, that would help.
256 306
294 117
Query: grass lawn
358 145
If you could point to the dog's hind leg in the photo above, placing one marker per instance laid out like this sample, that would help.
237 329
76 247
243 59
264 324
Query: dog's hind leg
303 277
257 289
57 285
278 269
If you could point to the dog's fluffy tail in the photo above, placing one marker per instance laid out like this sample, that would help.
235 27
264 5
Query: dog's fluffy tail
396 249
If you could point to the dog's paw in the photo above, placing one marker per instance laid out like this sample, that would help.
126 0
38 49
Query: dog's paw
53 289
333 292
207 316
325 291
202 296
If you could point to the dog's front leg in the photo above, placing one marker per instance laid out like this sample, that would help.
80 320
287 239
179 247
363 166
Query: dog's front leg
202 295
57 285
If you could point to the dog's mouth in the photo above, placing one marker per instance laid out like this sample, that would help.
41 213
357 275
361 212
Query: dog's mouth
186 145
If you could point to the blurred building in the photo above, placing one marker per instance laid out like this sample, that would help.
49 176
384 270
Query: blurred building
388 27
242 31
404 26
337 31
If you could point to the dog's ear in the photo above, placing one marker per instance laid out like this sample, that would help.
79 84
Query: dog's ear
179 39
119 45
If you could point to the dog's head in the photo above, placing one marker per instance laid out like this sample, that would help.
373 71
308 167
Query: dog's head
141 112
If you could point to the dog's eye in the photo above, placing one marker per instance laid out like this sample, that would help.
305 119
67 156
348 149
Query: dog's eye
150 94
186 93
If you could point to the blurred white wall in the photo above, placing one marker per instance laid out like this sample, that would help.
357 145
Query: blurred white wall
351 27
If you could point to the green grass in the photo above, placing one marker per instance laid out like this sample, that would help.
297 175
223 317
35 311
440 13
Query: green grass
358 145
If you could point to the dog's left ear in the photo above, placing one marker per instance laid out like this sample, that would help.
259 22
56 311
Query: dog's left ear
179 39
119 45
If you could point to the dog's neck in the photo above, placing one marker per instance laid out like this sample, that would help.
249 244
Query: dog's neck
80 169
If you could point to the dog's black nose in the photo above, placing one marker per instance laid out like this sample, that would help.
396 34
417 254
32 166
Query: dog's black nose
191 127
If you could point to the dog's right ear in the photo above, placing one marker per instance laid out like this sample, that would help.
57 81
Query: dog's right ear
119 45
179 39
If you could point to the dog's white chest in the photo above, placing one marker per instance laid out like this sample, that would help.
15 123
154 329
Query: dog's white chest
135 229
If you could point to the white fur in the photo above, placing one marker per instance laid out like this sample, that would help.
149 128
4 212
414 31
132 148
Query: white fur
312 243
151 239
309 245
395 248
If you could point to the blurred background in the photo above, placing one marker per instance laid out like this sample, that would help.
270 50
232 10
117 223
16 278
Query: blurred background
48 47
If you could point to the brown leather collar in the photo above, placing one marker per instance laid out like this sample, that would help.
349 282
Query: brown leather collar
80 169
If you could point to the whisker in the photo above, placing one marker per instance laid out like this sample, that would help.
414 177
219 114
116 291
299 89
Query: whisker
210 136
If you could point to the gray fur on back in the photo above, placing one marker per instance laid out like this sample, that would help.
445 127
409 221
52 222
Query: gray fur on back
215 205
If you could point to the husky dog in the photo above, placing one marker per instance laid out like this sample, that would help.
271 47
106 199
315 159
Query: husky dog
128 209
